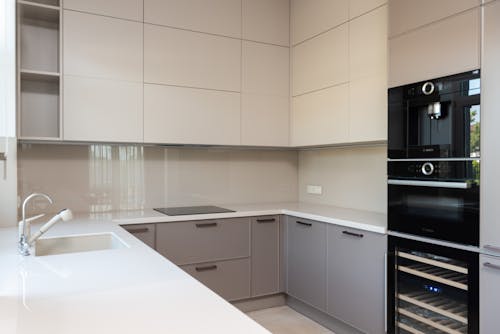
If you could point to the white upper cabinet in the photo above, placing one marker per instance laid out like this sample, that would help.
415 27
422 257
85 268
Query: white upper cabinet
184 58
179 115
220 17
443 48
124 9
321 62
102 78
265 95
410 14
266 21
360 7
310 18
490 123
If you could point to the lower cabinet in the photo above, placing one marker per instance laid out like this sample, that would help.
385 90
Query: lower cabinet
489 287
143 232
306 261
356 285
229 279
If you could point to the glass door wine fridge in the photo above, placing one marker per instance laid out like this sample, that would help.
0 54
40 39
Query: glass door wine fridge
432 289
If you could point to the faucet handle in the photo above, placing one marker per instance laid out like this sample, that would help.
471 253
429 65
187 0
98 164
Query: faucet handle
27 221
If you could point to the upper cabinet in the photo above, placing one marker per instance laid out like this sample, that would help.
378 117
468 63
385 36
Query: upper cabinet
123 9
102 78
438 48
490 122
266 21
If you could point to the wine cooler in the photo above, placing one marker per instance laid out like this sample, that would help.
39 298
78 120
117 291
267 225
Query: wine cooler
431 289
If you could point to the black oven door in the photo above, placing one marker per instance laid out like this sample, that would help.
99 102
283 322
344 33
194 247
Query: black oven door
436 209
441 124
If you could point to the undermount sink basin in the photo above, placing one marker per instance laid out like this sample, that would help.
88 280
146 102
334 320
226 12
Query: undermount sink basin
77 243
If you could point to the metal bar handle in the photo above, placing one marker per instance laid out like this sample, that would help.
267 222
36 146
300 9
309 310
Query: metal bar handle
206 225
492 248
302 223
266 220
434 184
352 234
491 265
206 268
138 230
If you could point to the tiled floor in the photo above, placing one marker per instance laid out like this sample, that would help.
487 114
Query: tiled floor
284 320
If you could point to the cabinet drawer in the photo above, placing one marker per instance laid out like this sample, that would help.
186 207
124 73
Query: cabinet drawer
489 276
143 232
230 279
204 240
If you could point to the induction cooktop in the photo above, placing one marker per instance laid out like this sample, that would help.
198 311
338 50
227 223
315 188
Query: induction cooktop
191 210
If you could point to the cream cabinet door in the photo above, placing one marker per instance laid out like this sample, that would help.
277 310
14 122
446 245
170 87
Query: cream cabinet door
180 115
443 48
490 123
102 98
124 9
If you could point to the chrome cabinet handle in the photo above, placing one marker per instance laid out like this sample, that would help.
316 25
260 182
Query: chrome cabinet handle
266 220
491 265
305 224
352 234
492 248
200 225
435 184
206 268
138 230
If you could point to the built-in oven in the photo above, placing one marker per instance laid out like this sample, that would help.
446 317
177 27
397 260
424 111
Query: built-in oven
437 118
432 289
435 198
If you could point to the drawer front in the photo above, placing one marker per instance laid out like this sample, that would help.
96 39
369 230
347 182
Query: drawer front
203 241
229 279
143 232
489 286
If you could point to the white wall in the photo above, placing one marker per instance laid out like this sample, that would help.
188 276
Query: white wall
353 177
8 172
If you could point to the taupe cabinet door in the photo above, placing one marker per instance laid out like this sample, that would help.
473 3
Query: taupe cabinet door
490 123
265 255
143 232
489 286
204 240
356 284
306 261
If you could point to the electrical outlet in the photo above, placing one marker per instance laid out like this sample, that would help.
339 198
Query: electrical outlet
314 190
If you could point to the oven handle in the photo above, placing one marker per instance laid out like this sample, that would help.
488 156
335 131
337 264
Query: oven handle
434 184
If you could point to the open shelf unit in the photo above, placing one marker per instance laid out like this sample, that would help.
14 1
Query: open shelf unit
39 69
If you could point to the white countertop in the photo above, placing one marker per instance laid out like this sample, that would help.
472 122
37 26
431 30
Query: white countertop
133 289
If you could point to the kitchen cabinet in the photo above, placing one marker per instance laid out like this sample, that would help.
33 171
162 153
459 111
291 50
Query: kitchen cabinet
490 122
266 21
143 232
408 14
265 255
489 276
443 48
203 241
306 261
102 78
355 284
124 9
230 279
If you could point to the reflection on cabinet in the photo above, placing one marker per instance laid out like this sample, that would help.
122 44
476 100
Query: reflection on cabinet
265 255
490 122
306 261
39 69
143 232
443 48
356 287
489 276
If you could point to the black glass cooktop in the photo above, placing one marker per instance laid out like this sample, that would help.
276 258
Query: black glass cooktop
191 210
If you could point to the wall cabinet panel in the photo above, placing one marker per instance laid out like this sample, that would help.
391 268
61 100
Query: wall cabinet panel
125 9
266 21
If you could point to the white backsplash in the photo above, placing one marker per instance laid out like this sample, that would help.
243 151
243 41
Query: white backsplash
101 178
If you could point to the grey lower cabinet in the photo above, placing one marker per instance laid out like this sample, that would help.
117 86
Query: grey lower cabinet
230 279
143 232
355 278
489 299
306 261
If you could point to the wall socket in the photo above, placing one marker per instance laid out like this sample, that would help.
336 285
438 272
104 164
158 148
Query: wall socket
314 190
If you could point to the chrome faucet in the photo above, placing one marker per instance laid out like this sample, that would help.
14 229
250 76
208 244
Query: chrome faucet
25 238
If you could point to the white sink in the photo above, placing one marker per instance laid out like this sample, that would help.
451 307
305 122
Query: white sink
77 243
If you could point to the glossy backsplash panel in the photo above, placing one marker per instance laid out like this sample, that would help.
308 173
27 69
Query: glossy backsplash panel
103 178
